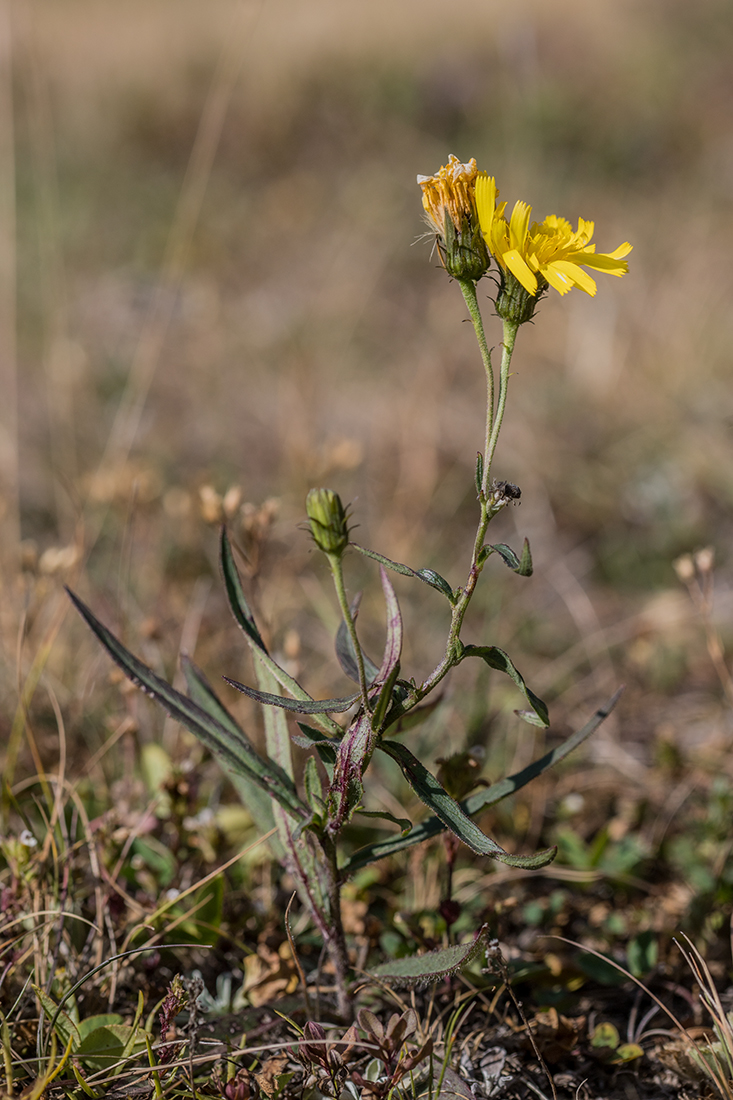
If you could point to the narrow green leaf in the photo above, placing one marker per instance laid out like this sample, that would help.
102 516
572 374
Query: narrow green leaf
488 796
432 966
300 706
498 659
393 644
479 471
232 751
523 565
235 593
440 584
243 616
204 696
313 788
429 576
324 746
430 791
403 823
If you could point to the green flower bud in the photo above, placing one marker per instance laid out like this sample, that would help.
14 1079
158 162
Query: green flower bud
327 518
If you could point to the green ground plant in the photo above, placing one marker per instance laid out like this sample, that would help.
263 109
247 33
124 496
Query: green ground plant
473 239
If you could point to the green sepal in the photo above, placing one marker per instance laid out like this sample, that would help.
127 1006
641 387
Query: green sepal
498 659
429 576
433 794
433 966
488 796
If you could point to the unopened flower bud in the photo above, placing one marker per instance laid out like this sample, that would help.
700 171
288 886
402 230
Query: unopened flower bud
327 518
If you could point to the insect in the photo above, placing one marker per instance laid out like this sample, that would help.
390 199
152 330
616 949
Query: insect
507 490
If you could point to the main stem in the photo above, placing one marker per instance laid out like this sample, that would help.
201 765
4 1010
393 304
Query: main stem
334 560
454 646
336 940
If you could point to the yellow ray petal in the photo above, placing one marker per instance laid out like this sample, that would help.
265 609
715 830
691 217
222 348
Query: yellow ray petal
519 269
575 274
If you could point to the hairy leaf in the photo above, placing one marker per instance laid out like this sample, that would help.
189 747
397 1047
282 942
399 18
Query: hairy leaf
489 796
235 593
430 791
300 706
245 619
522 566
498 659
432 966
393 644
429 576
404 823
202 693
232 748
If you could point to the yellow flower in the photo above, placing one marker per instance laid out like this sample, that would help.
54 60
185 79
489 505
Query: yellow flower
547 252
449 202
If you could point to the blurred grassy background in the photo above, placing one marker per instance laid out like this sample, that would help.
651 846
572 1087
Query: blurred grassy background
212 256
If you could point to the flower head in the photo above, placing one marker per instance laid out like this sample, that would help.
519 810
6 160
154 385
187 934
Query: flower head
327 518
548 253
449 202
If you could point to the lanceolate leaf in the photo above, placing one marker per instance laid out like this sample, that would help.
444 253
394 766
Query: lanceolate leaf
245 619
300 706
432 966
497 658
202 693
429 576
489 796
404 823
232 748
393 645
430 791
523 565
235 593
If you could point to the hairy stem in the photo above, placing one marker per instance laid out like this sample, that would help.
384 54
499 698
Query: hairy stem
453 650
468 288
507 350
337 572
335 940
